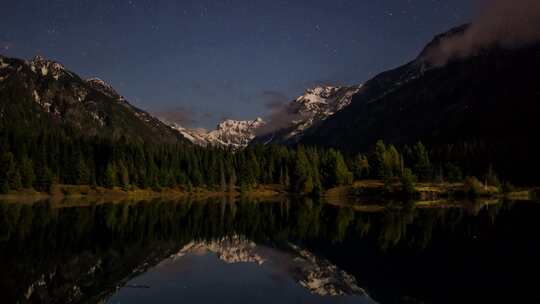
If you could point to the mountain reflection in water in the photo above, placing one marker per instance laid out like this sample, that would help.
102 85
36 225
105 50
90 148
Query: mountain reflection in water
241 271
329 253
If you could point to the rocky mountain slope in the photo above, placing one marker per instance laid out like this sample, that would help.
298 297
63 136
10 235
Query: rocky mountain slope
40 94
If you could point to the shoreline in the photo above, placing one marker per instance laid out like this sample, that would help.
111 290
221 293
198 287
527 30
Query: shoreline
374 190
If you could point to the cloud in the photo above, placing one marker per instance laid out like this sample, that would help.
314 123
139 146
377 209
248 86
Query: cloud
281 112
504 23
183 116
274 99
6 45
189 116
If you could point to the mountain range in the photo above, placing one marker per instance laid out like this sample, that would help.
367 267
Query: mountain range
42 94
489 99
286 124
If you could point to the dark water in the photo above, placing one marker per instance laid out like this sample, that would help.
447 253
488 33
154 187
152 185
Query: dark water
286 251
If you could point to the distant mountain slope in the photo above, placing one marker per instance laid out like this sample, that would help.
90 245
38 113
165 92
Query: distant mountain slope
490 99
42 94
229 133
288 124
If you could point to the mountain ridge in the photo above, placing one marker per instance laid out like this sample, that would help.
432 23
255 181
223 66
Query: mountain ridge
40 93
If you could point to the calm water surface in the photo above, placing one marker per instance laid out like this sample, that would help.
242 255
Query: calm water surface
284 251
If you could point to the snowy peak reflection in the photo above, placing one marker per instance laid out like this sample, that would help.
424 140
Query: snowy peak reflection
314 273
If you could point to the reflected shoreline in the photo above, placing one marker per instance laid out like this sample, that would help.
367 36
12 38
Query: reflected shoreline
72 251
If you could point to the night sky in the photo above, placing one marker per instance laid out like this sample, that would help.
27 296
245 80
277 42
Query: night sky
202 61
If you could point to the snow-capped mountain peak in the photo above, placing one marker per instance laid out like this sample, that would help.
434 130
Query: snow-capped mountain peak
325 100
235 133
229 133
314 106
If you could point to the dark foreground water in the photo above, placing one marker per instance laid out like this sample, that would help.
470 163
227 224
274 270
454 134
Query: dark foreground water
285 251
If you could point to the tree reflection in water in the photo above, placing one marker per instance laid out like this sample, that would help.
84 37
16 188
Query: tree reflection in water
67 254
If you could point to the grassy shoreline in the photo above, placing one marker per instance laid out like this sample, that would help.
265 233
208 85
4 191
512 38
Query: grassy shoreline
377 189
82 191
364 189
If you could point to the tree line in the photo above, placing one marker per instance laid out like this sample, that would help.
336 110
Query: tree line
40 161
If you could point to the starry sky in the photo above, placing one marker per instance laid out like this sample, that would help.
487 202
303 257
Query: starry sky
200 61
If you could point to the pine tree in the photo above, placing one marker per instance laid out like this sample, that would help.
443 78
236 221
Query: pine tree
393 161
491 178
361 167
453 173
232 180
44 179
15 182
422 164
281 177
27 173
335 171
301 177
152 173
381 161
408 181
82 173
109 177
8 173
287 178
223 183
123 176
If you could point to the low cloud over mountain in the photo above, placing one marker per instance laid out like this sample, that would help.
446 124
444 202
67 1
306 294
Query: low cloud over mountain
505 23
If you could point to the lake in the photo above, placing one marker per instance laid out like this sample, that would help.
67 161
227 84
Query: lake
287 250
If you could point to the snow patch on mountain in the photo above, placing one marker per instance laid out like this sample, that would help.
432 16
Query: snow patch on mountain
3 64
40 65
37 98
